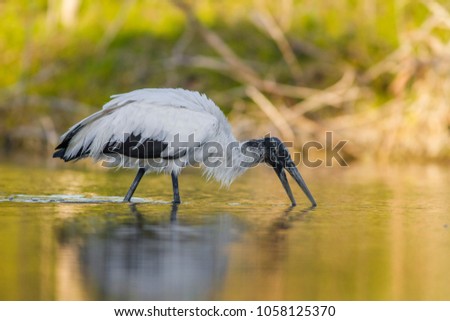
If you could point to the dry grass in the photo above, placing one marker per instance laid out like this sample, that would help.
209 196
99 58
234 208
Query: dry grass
395 109
413 122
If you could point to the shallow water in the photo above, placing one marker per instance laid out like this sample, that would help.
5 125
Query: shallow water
377 234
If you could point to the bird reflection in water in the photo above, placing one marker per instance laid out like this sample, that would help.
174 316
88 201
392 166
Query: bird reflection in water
138 257
144 260
290 215
140 218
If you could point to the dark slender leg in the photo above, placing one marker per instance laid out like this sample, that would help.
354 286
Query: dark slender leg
135 183
176 192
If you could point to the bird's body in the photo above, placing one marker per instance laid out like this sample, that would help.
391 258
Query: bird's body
164 130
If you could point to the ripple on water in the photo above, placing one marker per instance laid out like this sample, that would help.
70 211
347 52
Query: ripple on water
78 198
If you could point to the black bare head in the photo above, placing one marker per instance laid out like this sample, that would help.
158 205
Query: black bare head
277 156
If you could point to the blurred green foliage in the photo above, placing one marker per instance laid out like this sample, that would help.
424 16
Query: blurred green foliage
78 60
60 63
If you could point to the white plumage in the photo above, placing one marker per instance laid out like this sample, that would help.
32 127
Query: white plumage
157 114
164 116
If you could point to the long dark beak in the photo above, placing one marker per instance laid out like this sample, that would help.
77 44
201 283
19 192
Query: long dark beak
290 167
282 176
298 178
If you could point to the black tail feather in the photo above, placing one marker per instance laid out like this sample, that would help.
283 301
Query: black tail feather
61 148
59 153
65 143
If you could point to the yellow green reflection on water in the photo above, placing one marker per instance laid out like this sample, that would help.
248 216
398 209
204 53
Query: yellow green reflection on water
377 234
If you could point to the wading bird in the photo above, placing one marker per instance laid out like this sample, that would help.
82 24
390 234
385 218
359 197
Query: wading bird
165 130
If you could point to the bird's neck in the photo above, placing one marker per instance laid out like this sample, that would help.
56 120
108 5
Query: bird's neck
237 158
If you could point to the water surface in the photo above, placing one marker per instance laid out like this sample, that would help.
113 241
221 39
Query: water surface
377 234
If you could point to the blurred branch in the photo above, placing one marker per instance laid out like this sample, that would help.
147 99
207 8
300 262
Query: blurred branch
272 112
396 108
230 64
177 55
266 22
439 12
114 28
439 15
62 11
335 95
69 10
237 68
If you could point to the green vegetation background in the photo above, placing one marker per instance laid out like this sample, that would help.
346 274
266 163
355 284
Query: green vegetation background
59 64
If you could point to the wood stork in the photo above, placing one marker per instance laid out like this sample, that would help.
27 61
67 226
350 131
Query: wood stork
165 130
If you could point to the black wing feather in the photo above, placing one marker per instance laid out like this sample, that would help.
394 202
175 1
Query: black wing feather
131 147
